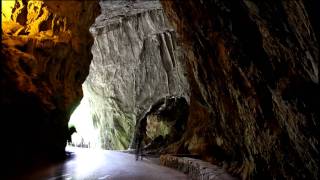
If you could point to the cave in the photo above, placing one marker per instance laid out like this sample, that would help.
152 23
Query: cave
214 89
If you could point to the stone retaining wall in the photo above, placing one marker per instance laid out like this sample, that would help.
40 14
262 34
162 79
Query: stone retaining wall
195 168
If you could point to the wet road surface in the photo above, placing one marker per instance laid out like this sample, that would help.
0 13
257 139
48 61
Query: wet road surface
90 164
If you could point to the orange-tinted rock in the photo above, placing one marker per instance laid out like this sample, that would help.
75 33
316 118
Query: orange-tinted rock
45 57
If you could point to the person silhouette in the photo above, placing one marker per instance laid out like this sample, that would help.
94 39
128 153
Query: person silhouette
71 130
140 137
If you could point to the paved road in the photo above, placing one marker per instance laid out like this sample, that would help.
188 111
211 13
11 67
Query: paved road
100 164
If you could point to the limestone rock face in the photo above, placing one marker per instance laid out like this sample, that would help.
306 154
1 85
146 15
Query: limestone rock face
254 74
45 57
136 62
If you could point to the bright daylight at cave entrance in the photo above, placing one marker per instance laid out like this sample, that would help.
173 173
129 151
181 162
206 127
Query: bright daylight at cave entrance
86 135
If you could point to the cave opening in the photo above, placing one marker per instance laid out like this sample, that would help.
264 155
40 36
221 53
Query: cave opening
86 135
137 61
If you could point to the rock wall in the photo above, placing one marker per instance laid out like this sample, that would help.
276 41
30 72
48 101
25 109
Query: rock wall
45 57
136 62
254 74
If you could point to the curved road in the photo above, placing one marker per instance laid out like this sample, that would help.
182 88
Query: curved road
100 164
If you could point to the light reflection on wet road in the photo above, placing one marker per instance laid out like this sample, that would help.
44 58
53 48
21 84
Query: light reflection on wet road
89 164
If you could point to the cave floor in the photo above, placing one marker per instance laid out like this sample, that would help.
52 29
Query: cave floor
101 164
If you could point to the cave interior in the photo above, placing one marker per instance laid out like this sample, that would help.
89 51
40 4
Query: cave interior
233 83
